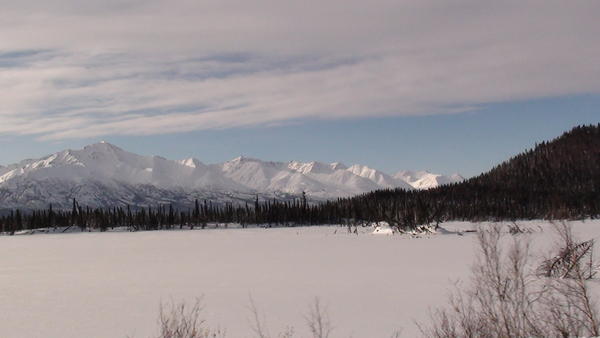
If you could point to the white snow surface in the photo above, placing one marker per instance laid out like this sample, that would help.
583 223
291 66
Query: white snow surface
108 173
111 284
382 228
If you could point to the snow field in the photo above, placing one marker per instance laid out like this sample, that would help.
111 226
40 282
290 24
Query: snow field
111 284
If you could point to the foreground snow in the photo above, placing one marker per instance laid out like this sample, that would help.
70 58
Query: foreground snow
111 284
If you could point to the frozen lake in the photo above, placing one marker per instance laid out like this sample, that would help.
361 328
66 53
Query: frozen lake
111 284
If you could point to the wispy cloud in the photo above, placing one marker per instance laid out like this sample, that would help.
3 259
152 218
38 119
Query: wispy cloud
70 69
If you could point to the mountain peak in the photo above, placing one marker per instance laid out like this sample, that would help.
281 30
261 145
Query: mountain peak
192 162
424 179
243 158
310 167
458 177
338 166
103 146
362 170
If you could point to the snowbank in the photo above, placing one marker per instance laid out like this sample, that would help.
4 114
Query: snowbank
382 228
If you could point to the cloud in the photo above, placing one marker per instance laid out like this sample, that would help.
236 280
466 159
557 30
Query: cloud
72 69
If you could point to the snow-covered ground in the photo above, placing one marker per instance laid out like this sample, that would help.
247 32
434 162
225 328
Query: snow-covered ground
111 284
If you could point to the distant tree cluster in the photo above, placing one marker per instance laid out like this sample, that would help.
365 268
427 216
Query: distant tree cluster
163 217
555 180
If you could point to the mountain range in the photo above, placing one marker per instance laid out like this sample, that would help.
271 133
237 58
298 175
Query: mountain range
104 175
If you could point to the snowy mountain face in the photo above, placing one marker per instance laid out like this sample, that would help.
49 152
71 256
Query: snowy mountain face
382 179
425 179
103 175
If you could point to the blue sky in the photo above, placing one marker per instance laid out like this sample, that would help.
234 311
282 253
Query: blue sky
467 143
394 84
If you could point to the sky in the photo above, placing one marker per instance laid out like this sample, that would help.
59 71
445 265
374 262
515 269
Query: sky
415 84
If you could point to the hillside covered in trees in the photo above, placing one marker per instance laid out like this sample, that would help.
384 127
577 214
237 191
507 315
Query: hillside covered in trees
557 179
554 180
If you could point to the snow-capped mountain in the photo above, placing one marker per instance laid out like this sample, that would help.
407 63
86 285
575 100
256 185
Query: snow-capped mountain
104 175
380 178
425 179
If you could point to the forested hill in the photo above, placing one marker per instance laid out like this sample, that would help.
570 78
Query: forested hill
556 179
570 163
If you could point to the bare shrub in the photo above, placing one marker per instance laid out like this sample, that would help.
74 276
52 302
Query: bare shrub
515 229
258 322
318 321
499 301
287 333
179 320
505 300
573 259
396 334
569 304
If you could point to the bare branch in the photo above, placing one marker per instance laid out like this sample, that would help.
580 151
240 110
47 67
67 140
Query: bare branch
257 324
318 321
178 320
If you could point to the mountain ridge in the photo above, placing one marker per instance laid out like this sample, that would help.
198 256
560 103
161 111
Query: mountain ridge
102 171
